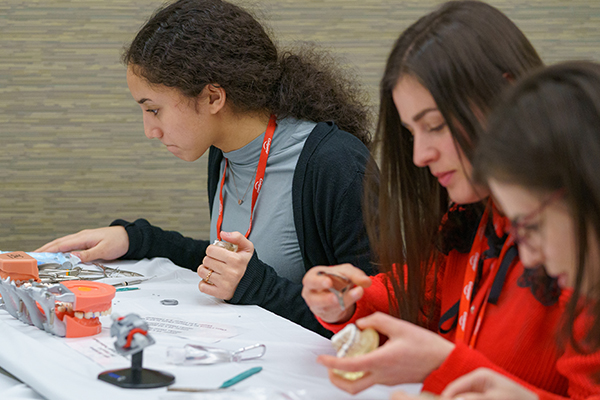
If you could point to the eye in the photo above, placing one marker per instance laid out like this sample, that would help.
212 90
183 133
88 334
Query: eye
153 111
438 128
531 228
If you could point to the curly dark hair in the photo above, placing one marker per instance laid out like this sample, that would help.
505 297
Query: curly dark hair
193 43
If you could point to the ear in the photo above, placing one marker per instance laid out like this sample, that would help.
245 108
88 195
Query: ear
215 96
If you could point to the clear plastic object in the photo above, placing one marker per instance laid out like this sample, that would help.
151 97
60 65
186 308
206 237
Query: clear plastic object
193 354
226 245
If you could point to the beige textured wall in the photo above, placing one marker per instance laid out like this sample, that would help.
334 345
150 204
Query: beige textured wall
73 152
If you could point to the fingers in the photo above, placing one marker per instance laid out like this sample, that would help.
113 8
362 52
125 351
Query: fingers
400 395
218 278
244 245
472 382
88 255
384 324
352 387
213 284
62 245
103 243
325 304
352 364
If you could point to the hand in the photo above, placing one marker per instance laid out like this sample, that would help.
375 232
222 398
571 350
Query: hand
92 244
324 303
410 354
485 384
227 267
400 395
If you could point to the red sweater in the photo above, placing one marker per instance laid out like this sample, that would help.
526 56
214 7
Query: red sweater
517 337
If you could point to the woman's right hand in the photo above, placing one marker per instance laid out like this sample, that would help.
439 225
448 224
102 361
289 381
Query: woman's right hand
485 384
322 302
107 243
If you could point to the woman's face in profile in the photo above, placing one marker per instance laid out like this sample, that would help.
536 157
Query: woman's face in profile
185 128
544 229
433 144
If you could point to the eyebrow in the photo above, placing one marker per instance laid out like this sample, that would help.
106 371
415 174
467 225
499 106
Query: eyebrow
142 101
421 114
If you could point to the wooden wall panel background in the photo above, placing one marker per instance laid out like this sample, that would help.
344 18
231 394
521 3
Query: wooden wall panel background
73 153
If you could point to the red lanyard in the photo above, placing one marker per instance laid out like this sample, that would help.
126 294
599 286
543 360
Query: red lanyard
469 282
258 180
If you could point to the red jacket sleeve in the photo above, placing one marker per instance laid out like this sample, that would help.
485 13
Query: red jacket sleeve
578 369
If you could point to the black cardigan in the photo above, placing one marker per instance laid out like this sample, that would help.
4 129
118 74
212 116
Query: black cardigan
327 193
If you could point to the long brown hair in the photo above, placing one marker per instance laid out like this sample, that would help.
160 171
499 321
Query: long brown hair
464 53
544 137
193 43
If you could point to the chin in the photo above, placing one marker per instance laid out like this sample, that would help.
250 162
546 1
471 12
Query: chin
181 156
467 193
463 198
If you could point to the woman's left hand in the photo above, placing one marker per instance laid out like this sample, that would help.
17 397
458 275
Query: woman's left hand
410 354
221 269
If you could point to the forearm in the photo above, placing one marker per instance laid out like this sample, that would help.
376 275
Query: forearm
147 241
464 360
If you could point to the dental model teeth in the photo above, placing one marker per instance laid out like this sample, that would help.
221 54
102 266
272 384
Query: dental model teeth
51 306
351 342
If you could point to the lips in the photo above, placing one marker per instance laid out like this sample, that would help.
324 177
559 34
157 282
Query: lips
444 177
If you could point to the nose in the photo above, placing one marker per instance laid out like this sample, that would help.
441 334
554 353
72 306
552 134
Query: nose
424 152
529 256
152 132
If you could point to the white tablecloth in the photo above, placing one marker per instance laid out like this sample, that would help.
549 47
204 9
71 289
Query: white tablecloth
62 369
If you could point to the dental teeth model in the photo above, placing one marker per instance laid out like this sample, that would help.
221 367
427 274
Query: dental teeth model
68 309
131 333
352 342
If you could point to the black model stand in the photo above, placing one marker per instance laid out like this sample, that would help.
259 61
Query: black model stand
137 377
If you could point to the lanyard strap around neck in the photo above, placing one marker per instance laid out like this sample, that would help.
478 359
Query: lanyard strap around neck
258 180
469 282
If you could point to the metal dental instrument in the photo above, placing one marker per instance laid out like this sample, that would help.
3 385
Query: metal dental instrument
341 284
54 273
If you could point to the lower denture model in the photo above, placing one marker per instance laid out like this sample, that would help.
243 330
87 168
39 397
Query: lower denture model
69 309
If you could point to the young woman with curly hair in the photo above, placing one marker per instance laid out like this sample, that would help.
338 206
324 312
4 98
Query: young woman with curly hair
208 77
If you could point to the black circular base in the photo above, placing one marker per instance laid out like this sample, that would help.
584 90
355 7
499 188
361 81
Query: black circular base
137 379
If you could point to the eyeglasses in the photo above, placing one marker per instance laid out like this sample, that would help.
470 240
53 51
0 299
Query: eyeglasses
526 230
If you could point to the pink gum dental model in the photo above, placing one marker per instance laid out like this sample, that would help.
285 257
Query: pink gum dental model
68 309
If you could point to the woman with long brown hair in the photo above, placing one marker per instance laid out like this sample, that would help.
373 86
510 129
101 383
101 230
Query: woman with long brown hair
208 76
451 268
540 158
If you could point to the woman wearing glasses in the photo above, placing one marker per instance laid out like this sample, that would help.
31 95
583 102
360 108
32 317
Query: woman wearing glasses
453 271
540 159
